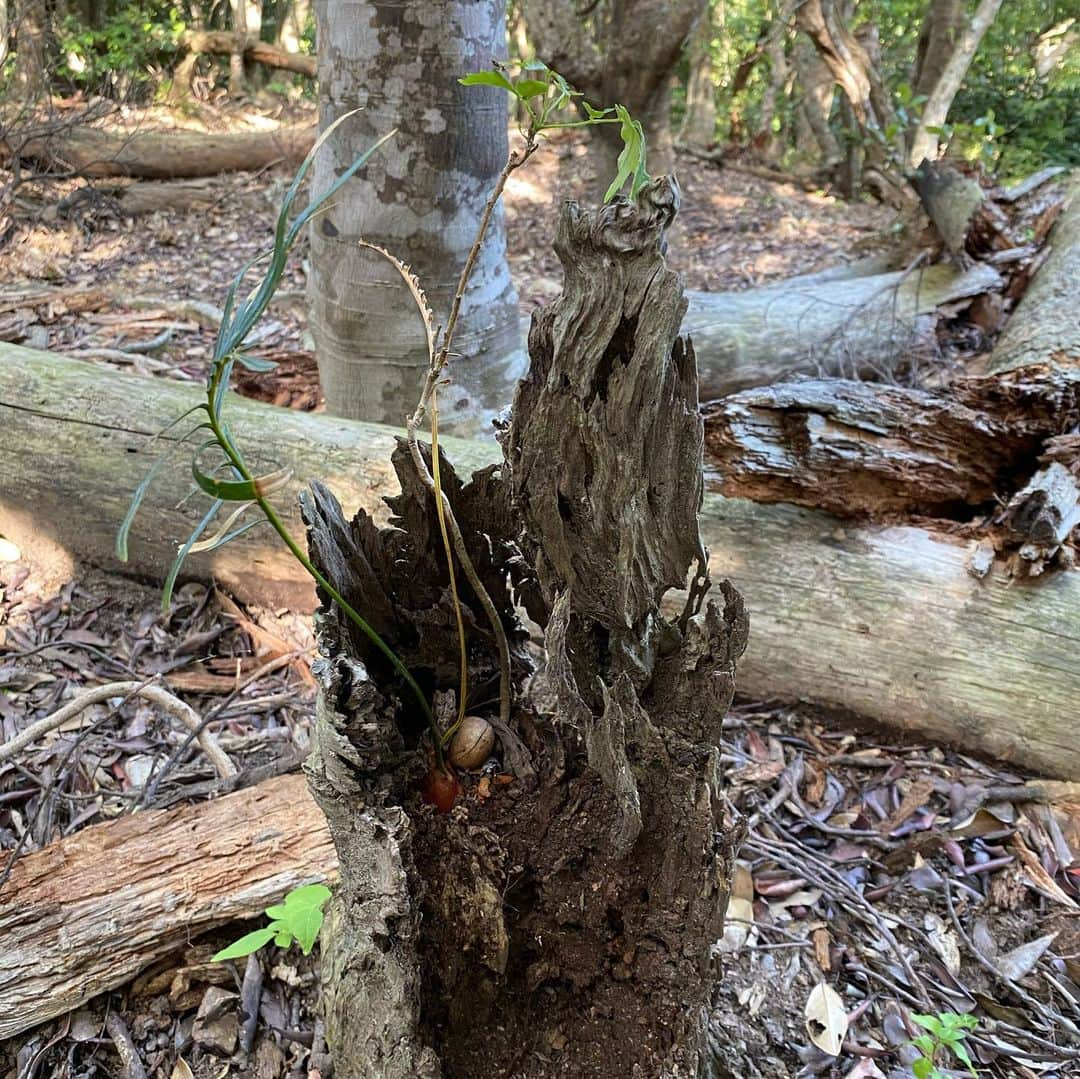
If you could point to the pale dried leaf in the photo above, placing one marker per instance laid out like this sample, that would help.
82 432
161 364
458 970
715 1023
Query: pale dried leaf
737 924
944 942
1020 961
826 1019
181 1070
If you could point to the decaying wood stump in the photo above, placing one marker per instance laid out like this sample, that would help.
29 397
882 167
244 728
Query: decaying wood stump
559 920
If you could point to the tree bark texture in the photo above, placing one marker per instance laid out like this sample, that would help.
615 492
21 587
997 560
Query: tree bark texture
621 51
89 912
941 28
699 122
936 110
239 43
161 155
818 89
560 923
222 43
421 197
1013 698
1045 326
850 327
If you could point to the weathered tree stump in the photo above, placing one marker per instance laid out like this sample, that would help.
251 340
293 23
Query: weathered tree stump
559 919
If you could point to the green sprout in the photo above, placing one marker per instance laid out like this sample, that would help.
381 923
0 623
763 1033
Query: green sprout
945 1034
299 918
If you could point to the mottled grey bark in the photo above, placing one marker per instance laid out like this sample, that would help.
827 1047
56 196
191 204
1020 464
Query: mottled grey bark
1045 325
938 34
420 197
818 90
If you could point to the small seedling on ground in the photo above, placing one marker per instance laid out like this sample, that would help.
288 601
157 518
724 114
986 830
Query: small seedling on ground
299 918
944 1037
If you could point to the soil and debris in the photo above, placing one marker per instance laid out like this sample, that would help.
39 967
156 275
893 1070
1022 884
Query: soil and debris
909 879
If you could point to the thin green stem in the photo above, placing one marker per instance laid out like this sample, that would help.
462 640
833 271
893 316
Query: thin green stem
237 461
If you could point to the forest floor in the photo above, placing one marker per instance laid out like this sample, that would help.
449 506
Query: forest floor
905 876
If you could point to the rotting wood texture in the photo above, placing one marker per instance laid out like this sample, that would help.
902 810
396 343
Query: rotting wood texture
594 882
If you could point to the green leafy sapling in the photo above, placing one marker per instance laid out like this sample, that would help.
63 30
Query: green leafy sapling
227 477
299 918
945 1034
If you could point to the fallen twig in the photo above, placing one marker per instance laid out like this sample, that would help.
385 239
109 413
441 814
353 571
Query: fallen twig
155 694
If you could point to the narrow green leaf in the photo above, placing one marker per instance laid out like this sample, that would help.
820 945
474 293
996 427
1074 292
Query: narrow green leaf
630 155
174 572
252 942
255 363
487 78
641 178
139 493
594 113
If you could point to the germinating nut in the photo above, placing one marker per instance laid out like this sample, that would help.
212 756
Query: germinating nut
473 743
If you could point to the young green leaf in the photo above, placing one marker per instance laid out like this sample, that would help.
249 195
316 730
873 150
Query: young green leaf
529 88
304 923
241 490
247 944
283 938
309 895
487 78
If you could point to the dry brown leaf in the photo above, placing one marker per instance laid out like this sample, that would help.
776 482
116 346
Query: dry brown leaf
826 1019
181 1070
1019 962
1040 879
822 948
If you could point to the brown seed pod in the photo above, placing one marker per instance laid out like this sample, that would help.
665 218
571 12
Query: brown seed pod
472 744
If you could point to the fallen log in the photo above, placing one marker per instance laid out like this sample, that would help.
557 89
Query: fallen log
884 621
221 42
869 451
88 912
1045 325
166 155
850 327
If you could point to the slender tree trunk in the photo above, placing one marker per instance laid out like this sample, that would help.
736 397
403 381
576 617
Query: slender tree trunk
936 109
942 26
31 34
776 51
290 31
236 57
421 197
818 91
699 123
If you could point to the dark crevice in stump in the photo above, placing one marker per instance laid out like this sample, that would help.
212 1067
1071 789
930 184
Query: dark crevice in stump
560 919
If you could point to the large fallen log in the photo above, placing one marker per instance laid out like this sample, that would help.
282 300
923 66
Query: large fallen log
165 155
884 621
846 327
220 43
1046 323
870 452
88 912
